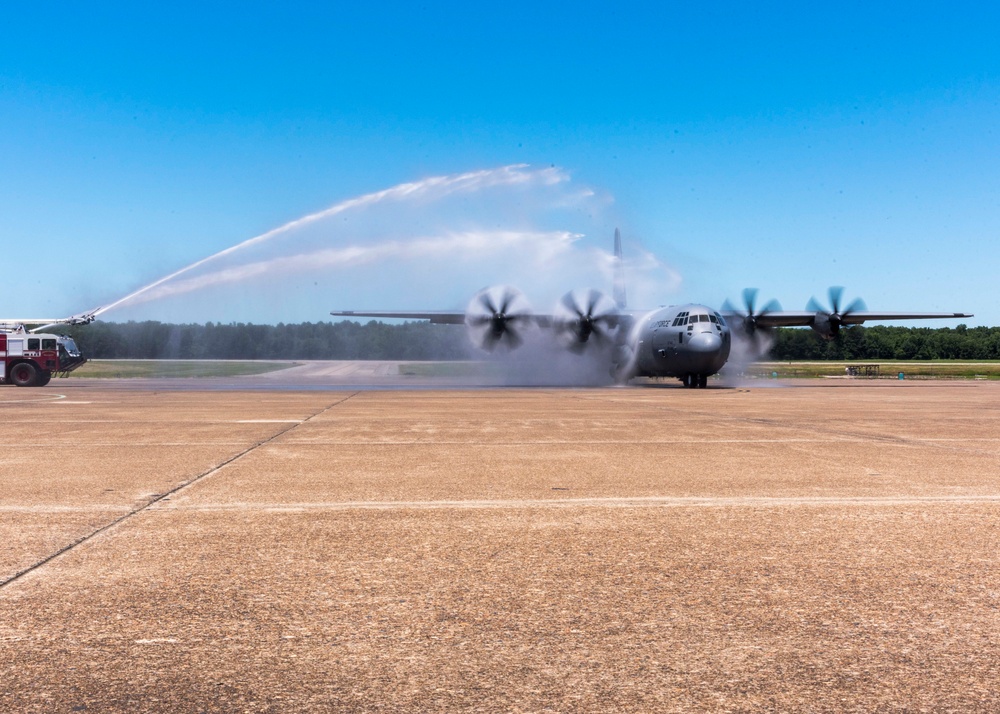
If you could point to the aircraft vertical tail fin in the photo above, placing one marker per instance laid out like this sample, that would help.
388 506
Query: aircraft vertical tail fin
619 289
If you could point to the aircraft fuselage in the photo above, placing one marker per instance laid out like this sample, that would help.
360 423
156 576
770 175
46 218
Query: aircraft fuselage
689 342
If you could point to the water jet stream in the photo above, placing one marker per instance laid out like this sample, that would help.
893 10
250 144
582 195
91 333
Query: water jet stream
434 187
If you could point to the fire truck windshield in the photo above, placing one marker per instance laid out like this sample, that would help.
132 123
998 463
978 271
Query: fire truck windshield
70 346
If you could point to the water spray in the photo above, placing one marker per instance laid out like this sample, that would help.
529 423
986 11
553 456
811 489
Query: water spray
434 187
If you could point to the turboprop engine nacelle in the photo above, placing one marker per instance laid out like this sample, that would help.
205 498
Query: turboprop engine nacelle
825 326
585 317
827 321
497 316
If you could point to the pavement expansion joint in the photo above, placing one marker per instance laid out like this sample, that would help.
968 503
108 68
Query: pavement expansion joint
157 498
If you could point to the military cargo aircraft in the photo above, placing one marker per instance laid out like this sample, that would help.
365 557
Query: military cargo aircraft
690 342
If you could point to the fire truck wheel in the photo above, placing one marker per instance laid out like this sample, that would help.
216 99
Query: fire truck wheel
24 374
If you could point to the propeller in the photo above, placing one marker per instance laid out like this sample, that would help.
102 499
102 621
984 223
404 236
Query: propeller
828 322
495 316
582 315
759 335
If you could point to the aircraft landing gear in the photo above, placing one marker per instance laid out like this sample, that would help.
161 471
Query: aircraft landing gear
695 381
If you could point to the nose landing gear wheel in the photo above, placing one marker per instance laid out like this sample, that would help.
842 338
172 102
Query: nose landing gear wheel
695 381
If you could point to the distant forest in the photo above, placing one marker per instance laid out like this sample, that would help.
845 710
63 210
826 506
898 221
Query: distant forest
423 341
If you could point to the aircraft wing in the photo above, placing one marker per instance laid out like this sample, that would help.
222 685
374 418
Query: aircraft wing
445 317
438 317
780 318
805 318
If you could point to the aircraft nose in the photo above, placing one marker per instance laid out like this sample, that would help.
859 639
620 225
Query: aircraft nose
705 342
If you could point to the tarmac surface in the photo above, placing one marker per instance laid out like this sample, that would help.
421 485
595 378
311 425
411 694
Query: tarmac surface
830 545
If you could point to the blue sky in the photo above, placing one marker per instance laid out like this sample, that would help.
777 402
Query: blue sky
775 145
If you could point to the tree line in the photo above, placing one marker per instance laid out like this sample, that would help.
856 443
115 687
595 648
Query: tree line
423 341
889 343
307 340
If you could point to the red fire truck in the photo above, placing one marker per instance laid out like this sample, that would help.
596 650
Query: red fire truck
31 358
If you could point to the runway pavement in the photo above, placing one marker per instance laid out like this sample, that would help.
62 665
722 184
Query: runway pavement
828 546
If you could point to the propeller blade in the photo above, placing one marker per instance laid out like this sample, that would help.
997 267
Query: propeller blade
489 341
570 304
492 314
857 305
487 302
592 299
836 293
829 325
513 338
580 315
757 335
508 297
772 306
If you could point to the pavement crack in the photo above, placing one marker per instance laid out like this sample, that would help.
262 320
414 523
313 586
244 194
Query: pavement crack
148 504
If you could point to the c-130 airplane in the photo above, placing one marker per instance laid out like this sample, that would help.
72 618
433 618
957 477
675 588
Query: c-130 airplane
690 342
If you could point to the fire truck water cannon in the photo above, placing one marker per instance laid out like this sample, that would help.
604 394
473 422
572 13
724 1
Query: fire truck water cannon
84 319
32 358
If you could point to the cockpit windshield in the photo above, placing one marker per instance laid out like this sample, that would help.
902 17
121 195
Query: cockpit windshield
684 318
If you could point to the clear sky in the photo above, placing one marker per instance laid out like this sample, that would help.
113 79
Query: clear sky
786 146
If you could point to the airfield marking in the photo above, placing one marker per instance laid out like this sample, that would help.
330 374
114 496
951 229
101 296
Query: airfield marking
163 503
166 495
833 438
64 509
635 442
136 444
609 502
268 421
42 398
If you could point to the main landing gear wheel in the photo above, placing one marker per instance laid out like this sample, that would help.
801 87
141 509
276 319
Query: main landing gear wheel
695 381
24 375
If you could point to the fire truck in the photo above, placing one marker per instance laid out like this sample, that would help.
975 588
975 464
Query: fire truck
31 358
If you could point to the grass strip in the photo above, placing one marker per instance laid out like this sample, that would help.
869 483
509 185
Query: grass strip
117 369
887 369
